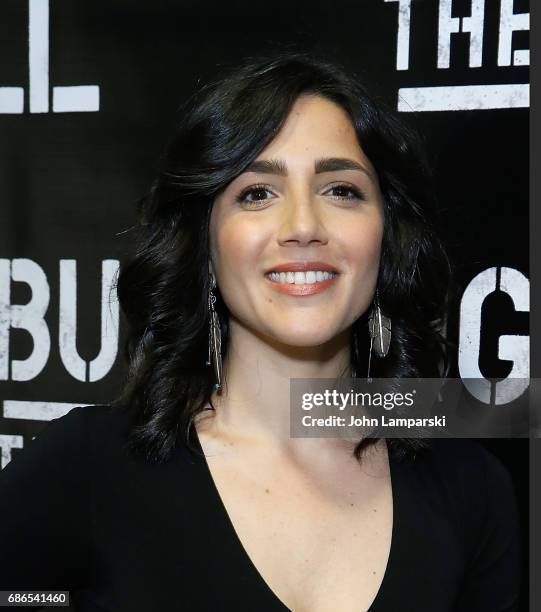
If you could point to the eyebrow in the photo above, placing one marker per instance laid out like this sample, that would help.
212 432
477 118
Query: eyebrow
326 164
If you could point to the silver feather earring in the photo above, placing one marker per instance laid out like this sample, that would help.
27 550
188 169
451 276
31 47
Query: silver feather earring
379 327
215 338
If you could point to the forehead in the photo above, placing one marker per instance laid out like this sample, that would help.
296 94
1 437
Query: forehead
316 125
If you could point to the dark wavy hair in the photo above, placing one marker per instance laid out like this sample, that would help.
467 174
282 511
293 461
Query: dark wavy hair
163 288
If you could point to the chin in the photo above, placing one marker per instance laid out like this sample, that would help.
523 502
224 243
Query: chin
305 337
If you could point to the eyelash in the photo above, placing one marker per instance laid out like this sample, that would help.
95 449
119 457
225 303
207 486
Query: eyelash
241 198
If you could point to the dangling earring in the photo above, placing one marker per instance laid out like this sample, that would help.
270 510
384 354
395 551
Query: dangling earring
355 351
215 338
379 327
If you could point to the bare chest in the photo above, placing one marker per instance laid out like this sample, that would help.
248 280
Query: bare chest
320 537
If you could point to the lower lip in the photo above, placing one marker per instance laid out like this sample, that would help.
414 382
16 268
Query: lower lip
305 289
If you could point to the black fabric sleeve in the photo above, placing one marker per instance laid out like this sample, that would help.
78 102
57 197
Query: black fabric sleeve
44 517
492 581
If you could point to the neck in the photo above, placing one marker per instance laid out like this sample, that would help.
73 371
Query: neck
254 402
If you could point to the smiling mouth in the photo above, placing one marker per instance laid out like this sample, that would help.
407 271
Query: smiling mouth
301 278
301 283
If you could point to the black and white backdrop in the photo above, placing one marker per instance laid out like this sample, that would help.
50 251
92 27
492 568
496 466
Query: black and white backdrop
88 92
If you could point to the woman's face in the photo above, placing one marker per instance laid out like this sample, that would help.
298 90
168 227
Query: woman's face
311 201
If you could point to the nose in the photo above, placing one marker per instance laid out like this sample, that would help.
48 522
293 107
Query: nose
302 223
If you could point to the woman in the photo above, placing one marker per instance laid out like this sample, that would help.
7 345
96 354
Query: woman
289 207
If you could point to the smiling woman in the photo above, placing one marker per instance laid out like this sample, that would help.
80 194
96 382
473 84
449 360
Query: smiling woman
283 165
290 212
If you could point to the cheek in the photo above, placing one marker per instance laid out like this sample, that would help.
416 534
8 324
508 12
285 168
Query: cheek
364 246
237 244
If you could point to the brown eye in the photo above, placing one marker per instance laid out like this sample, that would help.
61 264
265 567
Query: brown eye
253 195
346 192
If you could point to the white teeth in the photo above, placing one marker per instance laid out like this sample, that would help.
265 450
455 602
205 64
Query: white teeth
301 278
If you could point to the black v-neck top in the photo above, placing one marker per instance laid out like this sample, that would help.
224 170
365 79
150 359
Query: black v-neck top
78 513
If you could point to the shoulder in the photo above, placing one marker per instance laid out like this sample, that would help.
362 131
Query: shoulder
101 420
80 418
96 422
95 416
469 484
463 461
65 445
47 497
477 494
463 469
